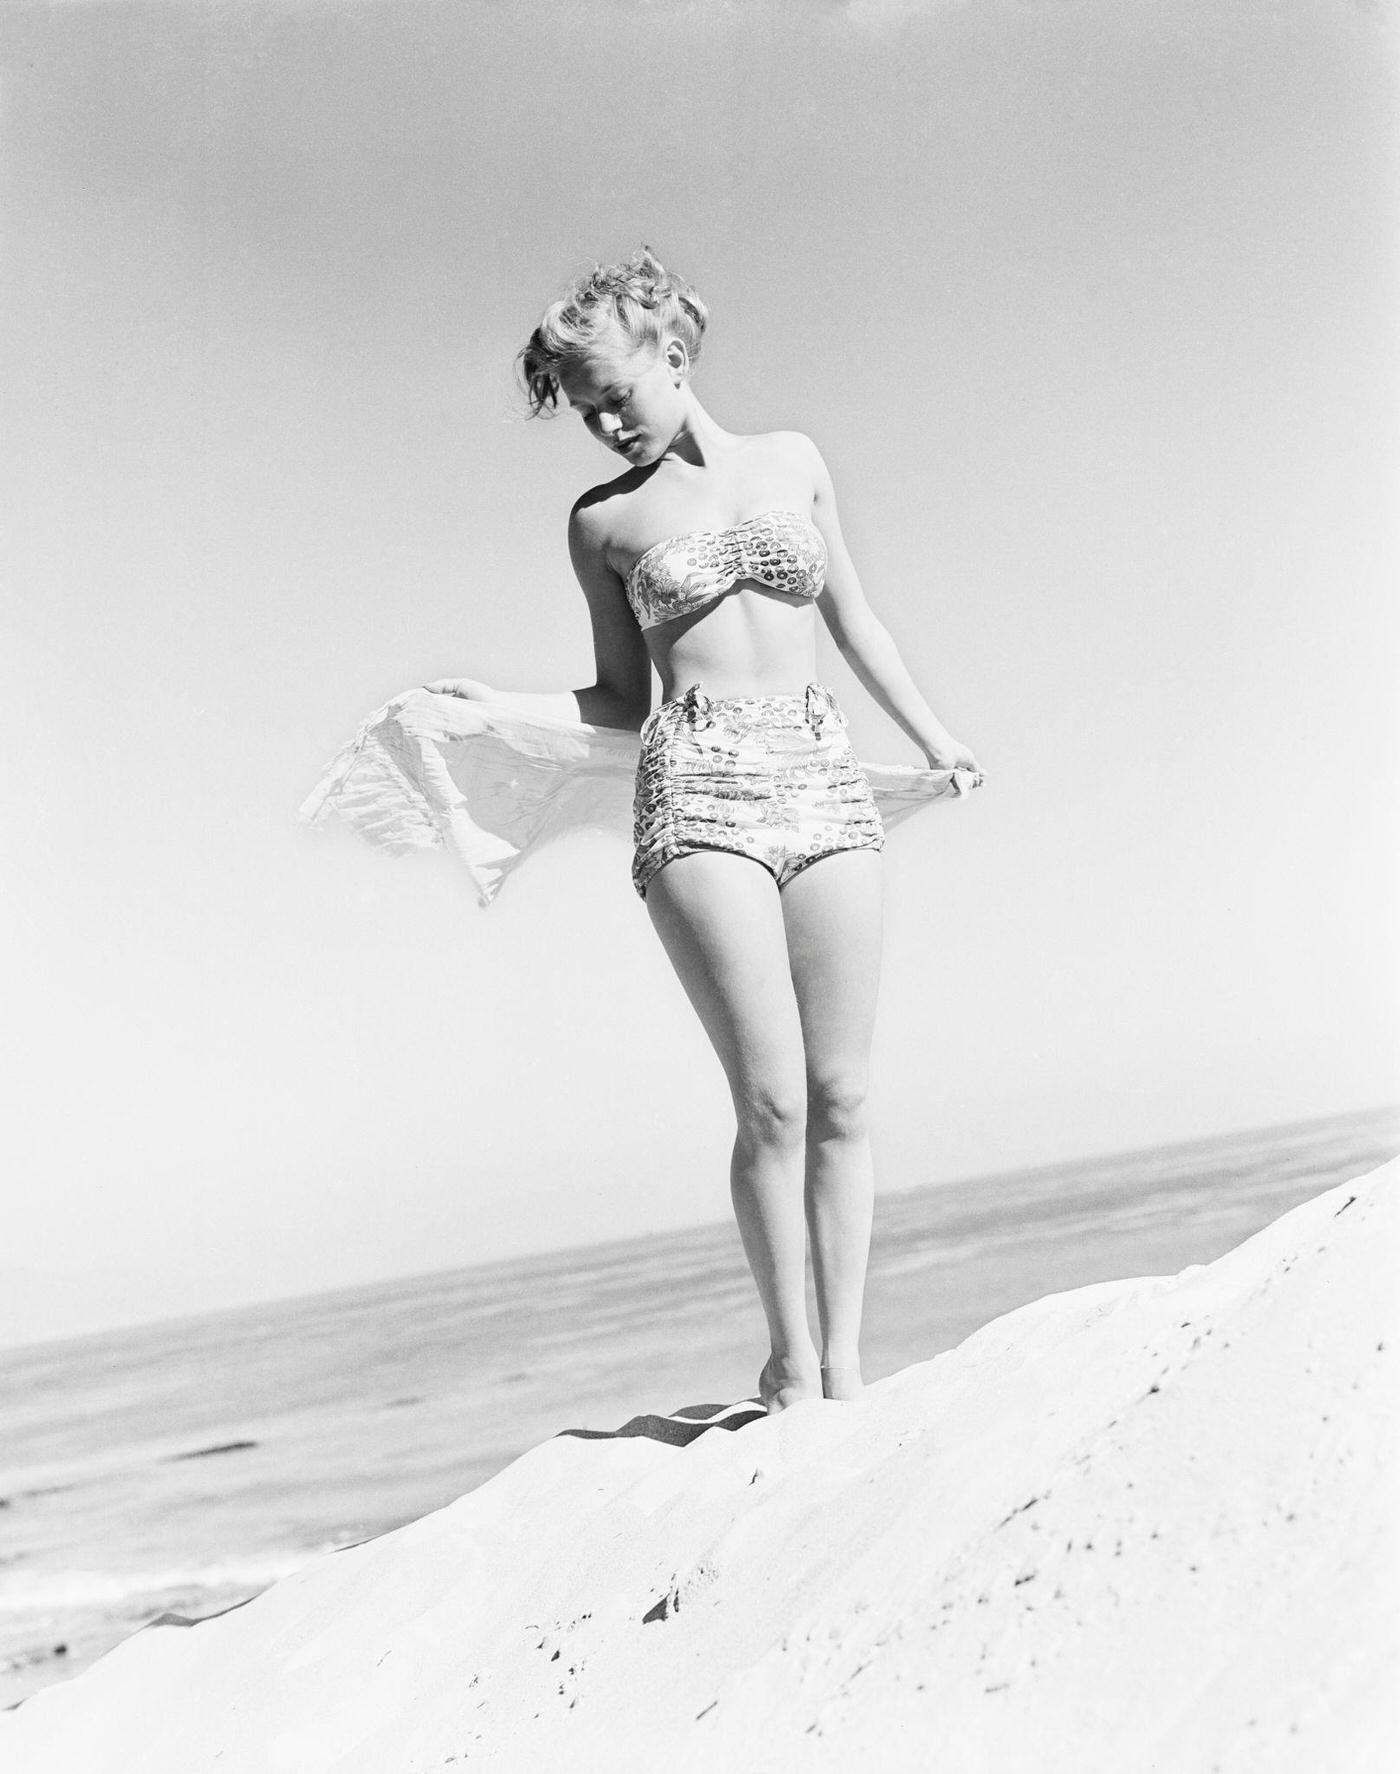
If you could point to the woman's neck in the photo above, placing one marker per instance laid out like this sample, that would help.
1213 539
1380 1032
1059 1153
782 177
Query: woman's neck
700 440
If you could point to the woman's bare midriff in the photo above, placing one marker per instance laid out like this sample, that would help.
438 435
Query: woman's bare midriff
750 642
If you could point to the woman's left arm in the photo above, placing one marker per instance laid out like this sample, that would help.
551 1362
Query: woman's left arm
867 644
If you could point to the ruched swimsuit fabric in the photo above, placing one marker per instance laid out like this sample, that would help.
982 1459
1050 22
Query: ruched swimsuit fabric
681 574
773 778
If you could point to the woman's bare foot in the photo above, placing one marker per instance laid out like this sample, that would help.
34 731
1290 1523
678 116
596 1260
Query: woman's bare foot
786 1381
842 1382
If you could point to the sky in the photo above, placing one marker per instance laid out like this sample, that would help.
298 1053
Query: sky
1088 306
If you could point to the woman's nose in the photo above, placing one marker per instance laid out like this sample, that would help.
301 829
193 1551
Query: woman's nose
608 423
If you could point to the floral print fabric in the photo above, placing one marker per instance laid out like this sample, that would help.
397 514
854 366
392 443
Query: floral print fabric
770 777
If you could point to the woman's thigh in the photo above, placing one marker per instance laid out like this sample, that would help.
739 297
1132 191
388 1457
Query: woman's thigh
832 912
720 920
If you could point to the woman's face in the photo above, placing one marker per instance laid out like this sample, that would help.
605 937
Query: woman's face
630 397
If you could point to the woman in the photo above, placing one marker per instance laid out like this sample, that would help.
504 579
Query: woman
758 843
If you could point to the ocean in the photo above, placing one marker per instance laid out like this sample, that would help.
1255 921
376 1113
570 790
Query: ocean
185 1465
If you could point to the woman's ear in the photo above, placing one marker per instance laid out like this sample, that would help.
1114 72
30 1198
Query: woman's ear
677 361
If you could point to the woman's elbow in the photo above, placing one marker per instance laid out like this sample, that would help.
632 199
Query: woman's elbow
863 638
628 707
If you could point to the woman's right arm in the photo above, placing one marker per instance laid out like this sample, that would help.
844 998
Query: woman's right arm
620 694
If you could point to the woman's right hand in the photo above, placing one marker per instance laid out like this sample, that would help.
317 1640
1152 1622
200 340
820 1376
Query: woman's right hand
472 689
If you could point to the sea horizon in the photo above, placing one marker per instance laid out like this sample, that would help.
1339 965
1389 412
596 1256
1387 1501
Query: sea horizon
549 1255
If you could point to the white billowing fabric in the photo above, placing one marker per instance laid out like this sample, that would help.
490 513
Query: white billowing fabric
493 784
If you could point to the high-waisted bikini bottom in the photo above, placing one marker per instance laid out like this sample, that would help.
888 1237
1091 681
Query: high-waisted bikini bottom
770 777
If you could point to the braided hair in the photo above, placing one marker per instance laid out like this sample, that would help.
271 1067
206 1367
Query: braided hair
638 298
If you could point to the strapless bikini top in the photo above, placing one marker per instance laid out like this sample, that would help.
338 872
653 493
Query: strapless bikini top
682 573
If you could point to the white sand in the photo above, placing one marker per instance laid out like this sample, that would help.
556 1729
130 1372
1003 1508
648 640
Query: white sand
1144 1526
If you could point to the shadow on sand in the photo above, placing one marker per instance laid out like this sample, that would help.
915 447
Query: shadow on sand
681 1427
678 1429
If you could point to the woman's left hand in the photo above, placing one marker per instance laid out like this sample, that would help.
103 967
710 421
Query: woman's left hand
952 754
471 688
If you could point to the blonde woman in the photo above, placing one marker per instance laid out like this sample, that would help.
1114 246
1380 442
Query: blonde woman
709 558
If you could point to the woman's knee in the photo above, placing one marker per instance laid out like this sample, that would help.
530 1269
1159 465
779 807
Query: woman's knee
836 1105
773 1113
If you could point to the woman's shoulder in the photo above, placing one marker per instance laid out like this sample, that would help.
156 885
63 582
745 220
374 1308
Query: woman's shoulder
794 447
790 456
596 514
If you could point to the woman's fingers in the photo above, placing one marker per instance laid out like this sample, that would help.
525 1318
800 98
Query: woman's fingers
472 688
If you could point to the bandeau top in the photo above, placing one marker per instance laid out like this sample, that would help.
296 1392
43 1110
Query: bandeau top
682 573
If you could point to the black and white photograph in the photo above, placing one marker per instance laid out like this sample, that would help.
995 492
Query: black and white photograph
701 980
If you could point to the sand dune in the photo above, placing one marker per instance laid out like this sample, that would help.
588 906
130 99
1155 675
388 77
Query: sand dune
1142 1526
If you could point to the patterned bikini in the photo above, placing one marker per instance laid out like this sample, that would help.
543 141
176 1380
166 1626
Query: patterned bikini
769 777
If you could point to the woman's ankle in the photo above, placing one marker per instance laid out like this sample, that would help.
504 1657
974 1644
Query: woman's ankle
836 1357
842 1380
797 1360
785 1381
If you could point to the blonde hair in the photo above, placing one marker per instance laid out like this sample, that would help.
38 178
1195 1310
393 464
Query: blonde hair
640 298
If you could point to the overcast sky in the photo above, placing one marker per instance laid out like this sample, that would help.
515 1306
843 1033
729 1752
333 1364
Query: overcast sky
1089 306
